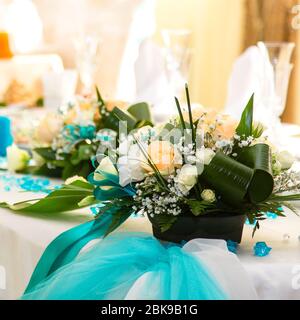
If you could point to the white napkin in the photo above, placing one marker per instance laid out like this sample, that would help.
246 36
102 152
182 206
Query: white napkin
254 73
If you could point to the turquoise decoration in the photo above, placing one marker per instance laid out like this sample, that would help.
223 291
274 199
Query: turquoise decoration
6 138
232 246
249 223
271 215
26 183
112 181
261 249
110 268
65 248
73 132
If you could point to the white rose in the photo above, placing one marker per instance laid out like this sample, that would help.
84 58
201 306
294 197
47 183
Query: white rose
208 195
187 177
286 159
17 159
73 179
205 155
130 166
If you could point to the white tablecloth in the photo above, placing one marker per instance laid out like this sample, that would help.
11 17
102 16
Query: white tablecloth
23 238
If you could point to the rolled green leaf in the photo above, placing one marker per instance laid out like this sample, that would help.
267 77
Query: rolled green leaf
258 157
229 178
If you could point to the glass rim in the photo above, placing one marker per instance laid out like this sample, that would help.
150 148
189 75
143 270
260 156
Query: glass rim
276 44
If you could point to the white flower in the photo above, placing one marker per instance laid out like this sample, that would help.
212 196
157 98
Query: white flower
17 159
286 159
73 179
130 166
208 195
205 155
187 177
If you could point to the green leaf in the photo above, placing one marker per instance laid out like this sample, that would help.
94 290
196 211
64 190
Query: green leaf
61 200
46 153
199 207
140 111
87 201
258 157
118 218
245 126
229 178
165 222
84 152
257 130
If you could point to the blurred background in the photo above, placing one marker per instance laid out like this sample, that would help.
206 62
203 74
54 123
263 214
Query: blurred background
139 49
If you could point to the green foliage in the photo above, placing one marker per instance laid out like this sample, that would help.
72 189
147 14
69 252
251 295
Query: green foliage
246 123
61 200
165 222
199 207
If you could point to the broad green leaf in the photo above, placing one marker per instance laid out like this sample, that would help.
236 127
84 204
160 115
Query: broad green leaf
46 153
245 126
87 201
140 111
61 200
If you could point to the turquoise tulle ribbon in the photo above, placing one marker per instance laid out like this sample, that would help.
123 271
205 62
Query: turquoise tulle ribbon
67 246
111 268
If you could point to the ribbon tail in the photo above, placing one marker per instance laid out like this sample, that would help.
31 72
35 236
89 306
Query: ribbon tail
67 246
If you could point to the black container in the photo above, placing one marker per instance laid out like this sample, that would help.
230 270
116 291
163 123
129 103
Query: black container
224 226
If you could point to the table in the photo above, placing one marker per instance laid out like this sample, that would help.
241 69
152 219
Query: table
23 238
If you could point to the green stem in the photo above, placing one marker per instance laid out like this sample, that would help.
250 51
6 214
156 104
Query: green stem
180 113
190 113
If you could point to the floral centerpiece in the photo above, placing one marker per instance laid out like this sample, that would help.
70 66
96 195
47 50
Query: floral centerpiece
65 143
200 175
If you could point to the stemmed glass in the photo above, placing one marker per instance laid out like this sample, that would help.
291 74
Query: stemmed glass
87 53
177 56
280 55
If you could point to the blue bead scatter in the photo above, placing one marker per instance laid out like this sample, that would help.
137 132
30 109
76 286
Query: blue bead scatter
271 215
232 246
25 183
261 249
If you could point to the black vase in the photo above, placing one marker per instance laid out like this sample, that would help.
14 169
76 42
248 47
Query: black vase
224 226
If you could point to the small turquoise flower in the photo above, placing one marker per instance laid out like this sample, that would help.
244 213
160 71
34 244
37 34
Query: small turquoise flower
232 246
261 249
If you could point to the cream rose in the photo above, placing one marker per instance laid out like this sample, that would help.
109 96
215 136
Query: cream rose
17 159
48 128
208 195
164 155
187 177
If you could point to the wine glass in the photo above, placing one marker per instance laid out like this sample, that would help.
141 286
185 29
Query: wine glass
177 56
87 51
